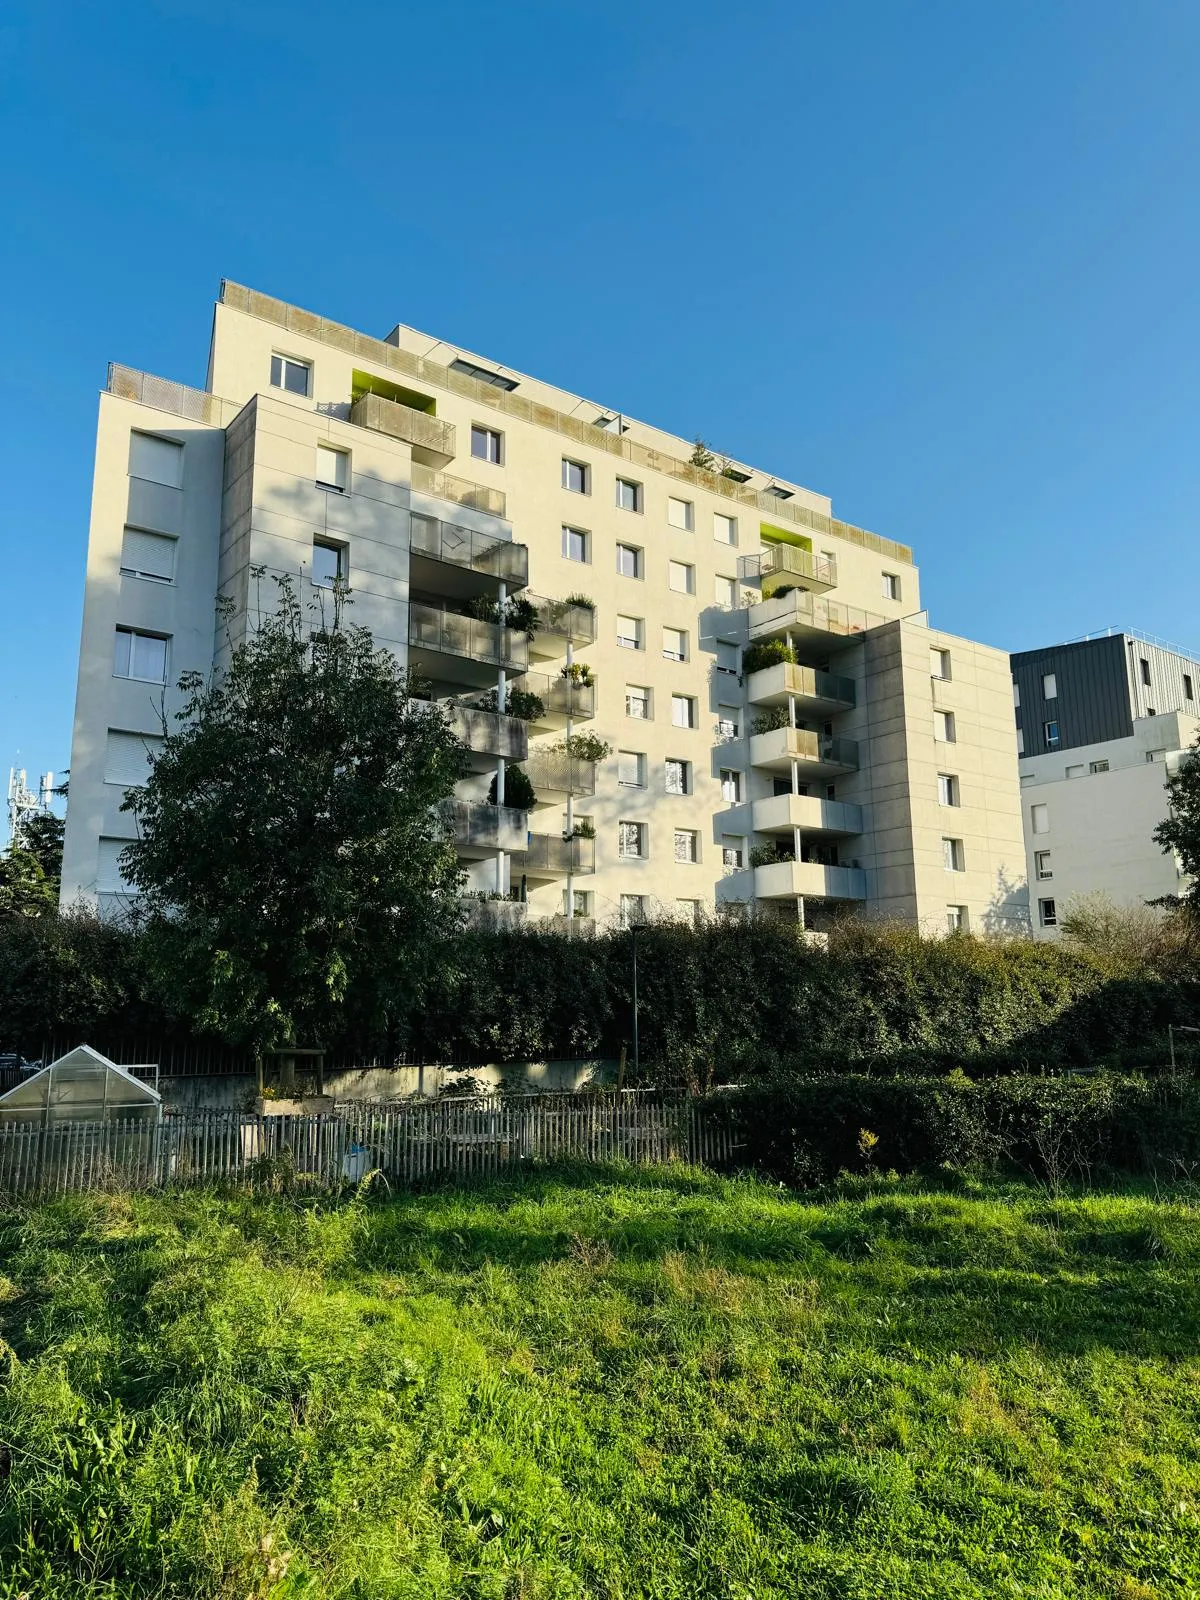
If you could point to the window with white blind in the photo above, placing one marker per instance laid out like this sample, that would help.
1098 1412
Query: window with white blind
679 513
631 840
631 769
687 845
679 776
681 577
109 877
728 658
140 655
957 920
683 711
943 726
733 851
630 633
156 460
333 468
148 555
731 786
128 757
1039 818
725 592
674 644
724 528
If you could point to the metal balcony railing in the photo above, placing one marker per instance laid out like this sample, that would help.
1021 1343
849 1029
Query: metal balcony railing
555 772
449 634
416 428
195 404
800 610
476 826
487 733
484 553
783 561
776 683
560 620
441 486
549 854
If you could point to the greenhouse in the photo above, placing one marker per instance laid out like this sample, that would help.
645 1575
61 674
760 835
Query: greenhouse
82 1086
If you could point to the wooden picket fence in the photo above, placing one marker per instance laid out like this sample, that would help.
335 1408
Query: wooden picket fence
408 1142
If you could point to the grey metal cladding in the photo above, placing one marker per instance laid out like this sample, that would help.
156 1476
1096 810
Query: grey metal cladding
1092 703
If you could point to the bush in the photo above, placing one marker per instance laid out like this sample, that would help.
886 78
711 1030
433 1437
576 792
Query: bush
518 790
768 653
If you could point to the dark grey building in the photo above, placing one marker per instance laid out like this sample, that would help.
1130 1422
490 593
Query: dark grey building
1068 695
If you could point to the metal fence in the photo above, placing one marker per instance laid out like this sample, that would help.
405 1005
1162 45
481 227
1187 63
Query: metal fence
407 1143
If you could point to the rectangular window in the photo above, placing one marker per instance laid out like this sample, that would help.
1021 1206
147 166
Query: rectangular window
729 720
679 513
329 564
1049 686
1047 914
683 711
681 577
631 840
629 495
724 528
1039 818
630 633
1076 771
140 655
943 726
128 757
1187 686
631 769
290 374
1016 695
581 904
633 910
939 665
486 444
148 555
733 851
956 919
629 561
110 879
731 786
725 592
679 776
156 460
637 702
333 468
1050 734
1041 864
952 855
687 845
947 789
576 476
1145 665
674 644
1097 766
576 544
1020 741
891 586
689 911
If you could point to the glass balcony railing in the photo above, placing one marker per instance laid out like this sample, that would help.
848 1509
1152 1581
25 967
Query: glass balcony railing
781 747
555 772
560 697
415 428
446 633
474 825
558 623
441 486
484 553
801 613
487 733
549 855
785 680
777 564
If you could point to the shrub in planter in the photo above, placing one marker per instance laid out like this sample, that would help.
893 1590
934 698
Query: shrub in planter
766 653
518 791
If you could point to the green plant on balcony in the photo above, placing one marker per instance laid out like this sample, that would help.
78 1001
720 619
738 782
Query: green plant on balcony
584 829
517 612
702 456
766 653
767 855
578 672
776 591
518 791
582 747
583 601
520 703
773 717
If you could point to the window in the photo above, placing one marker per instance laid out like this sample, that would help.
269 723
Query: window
683 711
679 776
679 513
732 851
128 757
1041 864
1050 734
140 655
943 726
731 786
1049 686
1156 755
329 564
486 444
576 476
333 468
629 495
630 633
470 369
579 905
294 376
681 577
674 644
110 879
576 544
687 845
148 555
631 840
724 528
891 586
1047 914
1016 695
1187 686
633 910
637 702
728 723
956 919
1020 741
1145 666
1097 766
689 911
947 789
631 769
629 561
1075 772
1039 818
939 664
156 460
725 592
952 855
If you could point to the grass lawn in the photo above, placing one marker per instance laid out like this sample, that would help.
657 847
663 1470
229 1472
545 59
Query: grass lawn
607 1383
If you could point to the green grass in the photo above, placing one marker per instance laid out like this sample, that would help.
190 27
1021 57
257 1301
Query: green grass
610 1384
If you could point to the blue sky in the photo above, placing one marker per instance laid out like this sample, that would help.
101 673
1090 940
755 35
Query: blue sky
937 260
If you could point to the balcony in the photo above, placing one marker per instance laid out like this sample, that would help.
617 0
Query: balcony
822 624
487 735
555 772
433 442
494 916
448 559
779 564
560 624
461 491
784 813
793 880
814 755
820 692
479 830
561 698
444 647
548 856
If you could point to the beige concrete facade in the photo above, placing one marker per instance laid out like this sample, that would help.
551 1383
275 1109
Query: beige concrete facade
462 483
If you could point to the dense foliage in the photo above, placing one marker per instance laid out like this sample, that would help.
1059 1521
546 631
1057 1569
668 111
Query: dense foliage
1180 832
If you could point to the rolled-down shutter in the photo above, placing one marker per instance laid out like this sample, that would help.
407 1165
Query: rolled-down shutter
128 757
150 555
108 870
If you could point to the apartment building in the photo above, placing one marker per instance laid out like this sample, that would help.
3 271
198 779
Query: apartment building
720 694
1101 723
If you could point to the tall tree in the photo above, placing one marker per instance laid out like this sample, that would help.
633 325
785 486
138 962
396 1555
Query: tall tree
294 873
1180 832
25 890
